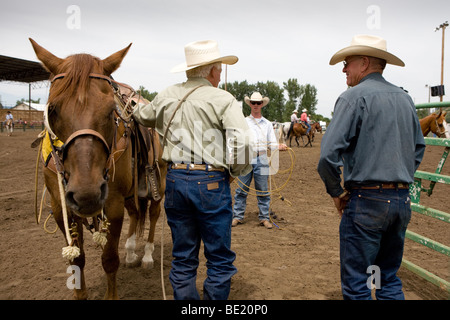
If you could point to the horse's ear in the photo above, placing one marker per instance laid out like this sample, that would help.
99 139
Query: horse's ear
50 61
444 113
112 63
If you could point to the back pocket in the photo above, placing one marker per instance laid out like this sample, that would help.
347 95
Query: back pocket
371 212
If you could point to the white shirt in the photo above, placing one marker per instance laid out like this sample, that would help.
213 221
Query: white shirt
263 134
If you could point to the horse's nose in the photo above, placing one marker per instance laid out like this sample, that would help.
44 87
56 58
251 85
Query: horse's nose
85 201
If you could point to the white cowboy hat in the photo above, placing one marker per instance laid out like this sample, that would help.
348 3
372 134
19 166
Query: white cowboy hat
201 53
295 111
304 110
256 96
367 45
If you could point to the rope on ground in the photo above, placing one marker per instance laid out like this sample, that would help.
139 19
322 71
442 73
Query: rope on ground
272 191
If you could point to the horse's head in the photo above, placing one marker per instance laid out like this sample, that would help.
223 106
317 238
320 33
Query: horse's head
80 112
438 126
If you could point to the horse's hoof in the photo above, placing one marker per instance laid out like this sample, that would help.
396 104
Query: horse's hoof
147 264
132 262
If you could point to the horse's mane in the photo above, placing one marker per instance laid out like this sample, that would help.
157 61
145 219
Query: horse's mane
75 84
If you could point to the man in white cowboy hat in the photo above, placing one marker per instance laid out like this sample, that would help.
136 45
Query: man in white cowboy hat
375 135
294 117
264 138
196 121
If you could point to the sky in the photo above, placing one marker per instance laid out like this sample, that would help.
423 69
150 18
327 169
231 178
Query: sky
274 40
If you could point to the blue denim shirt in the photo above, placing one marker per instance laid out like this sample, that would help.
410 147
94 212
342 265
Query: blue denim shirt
375 135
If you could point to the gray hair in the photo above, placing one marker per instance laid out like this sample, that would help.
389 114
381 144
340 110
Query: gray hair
203 71
378 62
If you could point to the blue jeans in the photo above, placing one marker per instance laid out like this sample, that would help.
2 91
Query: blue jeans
198 208
260 173
308 125
372 233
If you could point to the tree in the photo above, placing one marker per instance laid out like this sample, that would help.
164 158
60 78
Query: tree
294 91
146 94
23 100
309 98
240 90
275 109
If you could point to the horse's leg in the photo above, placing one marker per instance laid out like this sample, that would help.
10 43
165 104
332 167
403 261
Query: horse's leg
309 140
154 212
114 211
131 258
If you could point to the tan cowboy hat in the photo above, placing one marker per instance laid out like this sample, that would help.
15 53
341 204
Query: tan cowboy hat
256 96
201 53
295 111
367 45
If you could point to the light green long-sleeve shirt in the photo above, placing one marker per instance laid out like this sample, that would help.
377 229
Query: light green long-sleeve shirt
209 127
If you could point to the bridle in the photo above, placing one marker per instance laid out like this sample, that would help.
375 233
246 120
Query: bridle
60 155
438 130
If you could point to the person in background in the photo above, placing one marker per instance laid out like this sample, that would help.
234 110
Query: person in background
265 139
375 136
9 122
305 120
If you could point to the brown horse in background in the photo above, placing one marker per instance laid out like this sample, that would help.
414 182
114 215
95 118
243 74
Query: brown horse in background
95 164
315 127
434 123
299 130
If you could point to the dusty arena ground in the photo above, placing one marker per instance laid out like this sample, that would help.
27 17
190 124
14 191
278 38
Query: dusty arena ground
297 261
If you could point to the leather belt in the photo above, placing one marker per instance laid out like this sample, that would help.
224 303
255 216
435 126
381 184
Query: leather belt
384 186
193 167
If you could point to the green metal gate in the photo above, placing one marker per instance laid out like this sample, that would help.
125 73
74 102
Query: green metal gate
415 191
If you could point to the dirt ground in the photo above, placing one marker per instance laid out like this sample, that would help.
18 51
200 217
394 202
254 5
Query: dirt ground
298 260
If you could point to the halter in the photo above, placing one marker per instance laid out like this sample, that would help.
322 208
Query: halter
438 130
83 132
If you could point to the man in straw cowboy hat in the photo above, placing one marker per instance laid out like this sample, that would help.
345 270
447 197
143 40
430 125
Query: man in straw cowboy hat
375 135
264 138
203 131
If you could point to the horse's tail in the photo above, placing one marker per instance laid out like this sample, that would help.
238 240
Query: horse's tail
291 127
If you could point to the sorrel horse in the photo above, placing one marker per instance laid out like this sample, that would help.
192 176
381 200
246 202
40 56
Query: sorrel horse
93 172
299 130
435 123
315 127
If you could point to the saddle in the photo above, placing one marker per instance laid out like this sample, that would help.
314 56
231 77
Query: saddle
145 144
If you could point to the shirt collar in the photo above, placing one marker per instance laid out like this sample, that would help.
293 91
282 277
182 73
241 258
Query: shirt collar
198 81
373 75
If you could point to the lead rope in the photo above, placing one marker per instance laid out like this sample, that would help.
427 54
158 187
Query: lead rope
164 215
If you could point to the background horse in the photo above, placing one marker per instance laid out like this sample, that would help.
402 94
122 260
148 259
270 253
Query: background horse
299 130
436 124
315 127
95 162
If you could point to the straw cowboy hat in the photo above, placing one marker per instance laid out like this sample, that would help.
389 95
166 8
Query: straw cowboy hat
256 96
295 111
201 53
367 45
